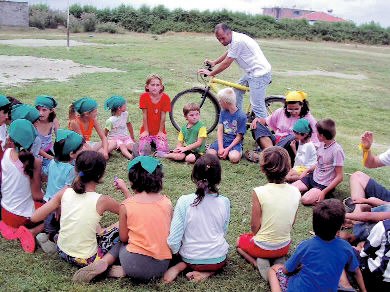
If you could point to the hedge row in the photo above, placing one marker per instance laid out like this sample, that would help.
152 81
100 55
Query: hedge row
159 20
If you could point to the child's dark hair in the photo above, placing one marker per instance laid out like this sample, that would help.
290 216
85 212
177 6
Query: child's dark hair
59 146
6 109
27 158
143 181
13 101
328 216
275 163
206 174
327 128
304 108
90 166
307 138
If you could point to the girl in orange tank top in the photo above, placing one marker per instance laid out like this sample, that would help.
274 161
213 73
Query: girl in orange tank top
82 120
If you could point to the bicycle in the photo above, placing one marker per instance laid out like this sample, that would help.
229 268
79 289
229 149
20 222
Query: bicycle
210 109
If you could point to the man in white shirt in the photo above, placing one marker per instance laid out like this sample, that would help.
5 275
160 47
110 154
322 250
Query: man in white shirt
249 57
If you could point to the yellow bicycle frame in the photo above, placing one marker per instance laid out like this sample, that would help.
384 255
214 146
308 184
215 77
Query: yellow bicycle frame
213 85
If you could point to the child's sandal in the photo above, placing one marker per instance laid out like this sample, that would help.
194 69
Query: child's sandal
26 239
252 156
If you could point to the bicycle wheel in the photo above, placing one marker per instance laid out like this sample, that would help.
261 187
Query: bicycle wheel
272 103
209 112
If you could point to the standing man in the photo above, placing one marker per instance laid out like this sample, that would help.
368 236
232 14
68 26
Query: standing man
249 57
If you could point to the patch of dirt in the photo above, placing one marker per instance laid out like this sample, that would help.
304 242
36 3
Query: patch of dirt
323 73
18 69
44 43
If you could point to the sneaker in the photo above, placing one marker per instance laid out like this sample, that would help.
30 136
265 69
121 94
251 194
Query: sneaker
7 231
86 274
44 242
147 149
263 266
135 150
349 205
26 239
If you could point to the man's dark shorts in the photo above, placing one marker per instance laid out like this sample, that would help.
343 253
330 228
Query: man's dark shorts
374 189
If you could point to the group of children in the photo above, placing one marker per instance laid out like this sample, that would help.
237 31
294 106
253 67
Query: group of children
65 219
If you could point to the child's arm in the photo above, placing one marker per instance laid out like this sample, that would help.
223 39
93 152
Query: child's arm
42 212
293 145
177 225
106 203
145 133
130 129
74 126
306 171
192 146
338 179
123 229
256 214
35 181
56 125
106 132
179 147
220 139
44 154
257 120
359 279
102 137
368 216
160 133
236 140
120 184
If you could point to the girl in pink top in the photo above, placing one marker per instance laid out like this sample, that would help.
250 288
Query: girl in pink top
281 122
144 222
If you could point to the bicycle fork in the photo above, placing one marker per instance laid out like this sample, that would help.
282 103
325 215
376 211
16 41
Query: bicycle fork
205 92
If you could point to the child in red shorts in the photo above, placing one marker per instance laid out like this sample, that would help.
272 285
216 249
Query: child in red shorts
274 207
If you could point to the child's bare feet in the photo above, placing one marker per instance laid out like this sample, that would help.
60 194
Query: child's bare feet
116 271
172 272
197 276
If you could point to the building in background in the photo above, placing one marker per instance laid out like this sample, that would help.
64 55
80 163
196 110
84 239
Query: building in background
310 15
13 13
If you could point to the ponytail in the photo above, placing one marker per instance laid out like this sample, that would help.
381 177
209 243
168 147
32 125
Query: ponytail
78 185
27 158
90 167
72 112
206 175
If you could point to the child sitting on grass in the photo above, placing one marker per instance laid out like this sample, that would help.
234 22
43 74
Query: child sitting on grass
231 128
47 124
305 152
81 240
274 208
192 136
328 172
155 105
118 127
317 263
61 174
200 223
21 186
85 122
144 220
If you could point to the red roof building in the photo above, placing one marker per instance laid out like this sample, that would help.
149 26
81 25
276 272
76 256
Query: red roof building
321 16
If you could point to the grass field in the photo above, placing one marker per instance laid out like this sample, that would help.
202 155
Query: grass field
355 105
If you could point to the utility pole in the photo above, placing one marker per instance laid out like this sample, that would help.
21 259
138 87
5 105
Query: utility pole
67 30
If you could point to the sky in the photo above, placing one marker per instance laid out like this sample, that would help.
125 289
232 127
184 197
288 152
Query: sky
358 11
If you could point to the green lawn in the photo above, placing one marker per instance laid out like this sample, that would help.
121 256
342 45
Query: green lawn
355 105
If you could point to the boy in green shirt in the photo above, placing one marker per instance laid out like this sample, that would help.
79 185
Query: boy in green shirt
192 136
